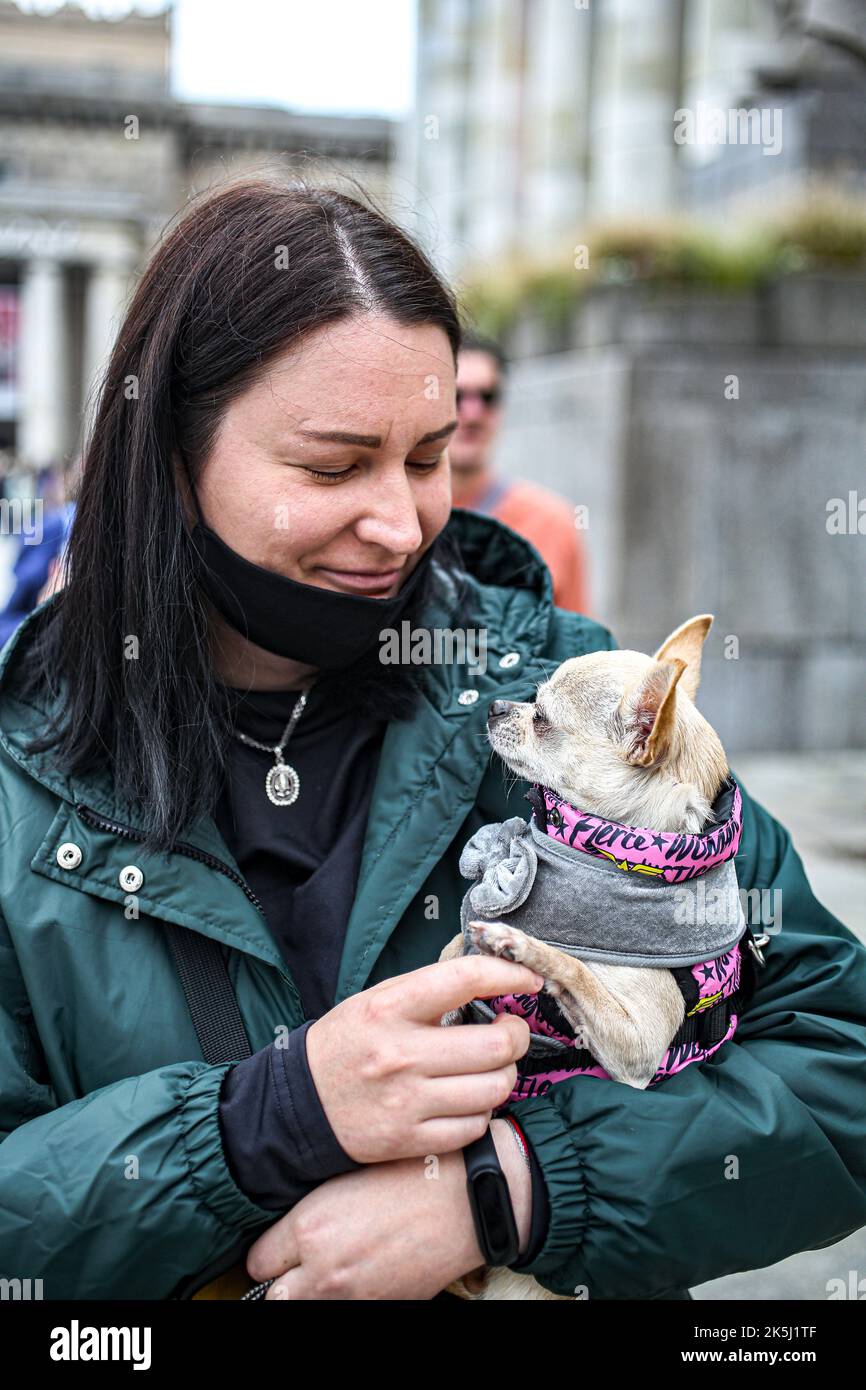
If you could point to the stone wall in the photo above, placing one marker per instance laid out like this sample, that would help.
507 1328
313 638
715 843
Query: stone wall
700 503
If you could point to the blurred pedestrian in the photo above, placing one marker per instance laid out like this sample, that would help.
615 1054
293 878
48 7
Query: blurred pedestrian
543 517
37 566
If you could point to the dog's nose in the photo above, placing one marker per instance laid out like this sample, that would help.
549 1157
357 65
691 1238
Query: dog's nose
498 708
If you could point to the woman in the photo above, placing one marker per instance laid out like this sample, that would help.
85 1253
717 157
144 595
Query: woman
201 742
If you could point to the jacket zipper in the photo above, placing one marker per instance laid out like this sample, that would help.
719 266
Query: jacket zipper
114 827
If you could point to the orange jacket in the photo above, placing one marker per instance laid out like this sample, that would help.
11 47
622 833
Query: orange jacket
547 521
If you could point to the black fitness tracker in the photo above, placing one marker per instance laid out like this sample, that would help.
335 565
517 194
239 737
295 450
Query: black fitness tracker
490 1201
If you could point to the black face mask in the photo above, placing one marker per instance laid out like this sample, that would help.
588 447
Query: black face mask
320 627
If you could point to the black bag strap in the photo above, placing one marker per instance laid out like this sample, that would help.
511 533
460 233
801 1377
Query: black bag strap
210 995
213 1006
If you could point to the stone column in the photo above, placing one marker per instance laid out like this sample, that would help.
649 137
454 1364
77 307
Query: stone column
104 305
635 93
42 393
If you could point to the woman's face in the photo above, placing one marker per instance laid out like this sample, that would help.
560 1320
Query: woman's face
354 513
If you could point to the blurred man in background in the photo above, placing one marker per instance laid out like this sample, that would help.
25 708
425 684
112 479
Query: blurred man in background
543 517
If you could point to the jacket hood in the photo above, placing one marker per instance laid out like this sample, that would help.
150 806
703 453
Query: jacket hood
486 574
496 555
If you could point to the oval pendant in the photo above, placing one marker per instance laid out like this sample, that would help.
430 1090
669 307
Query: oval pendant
282 785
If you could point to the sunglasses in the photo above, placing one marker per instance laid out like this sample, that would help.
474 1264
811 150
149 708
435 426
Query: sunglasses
488 398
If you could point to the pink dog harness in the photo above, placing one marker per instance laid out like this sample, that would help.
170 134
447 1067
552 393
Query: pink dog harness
712 983
670 856
713 989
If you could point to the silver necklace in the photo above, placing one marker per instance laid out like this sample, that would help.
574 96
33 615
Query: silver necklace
282 783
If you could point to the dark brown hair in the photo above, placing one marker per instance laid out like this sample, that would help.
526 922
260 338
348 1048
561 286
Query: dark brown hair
212 307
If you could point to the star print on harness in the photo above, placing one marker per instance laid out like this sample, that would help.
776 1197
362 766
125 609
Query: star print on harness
603 891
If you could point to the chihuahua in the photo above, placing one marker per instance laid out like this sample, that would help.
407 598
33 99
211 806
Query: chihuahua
615 733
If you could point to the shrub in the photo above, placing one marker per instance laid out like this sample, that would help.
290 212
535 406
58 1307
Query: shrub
824 231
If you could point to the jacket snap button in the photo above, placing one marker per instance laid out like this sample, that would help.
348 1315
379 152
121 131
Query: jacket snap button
467 697
131 878
69 856
509 659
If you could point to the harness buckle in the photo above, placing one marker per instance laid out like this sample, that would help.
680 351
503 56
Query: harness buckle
755 943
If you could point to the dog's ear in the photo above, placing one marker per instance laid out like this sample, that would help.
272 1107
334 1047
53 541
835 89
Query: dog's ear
686 644
649 713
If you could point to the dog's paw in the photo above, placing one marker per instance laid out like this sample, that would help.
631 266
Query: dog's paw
496 939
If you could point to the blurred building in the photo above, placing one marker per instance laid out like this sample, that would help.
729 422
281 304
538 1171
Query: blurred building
95 157
704 432
536 116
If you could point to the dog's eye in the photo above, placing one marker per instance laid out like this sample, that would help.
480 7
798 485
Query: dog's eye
539 717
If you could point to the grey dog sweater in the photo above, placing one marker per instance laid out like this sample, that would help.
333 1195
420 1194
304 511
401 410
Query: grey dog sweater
589 908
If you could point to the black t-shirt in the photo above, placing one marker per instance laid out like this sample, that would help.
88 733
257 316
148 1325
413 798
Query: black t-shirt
302 861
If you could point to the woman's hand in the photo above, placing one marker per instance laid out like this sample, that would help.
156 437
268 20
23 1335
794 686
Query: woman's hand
394 1083
394 1230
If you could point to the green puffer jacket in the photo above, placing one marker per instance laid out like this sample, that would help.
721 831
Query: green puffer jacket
113 1182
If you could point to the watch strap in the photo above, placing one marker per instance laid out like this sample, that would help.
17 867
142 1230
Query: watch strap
490 1201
